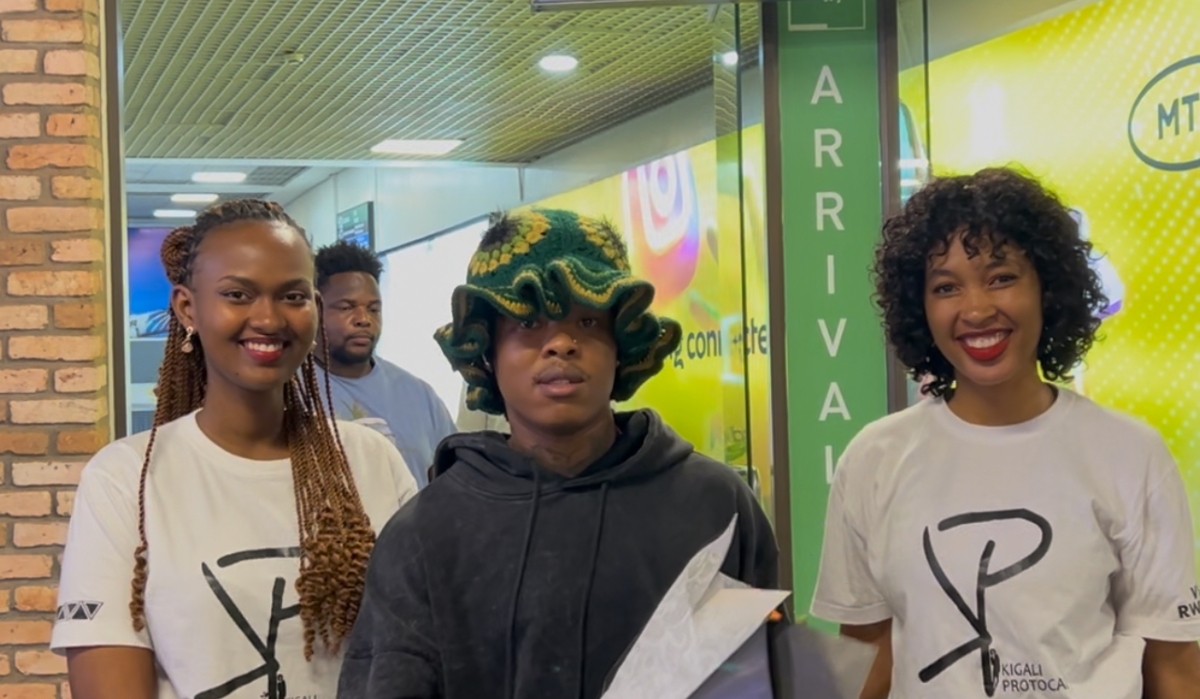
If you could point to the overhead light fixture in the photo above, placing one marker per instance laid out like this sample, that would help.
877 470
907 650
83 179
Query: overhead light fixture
194 198
558 63
396 146
219 177
729 58
174 213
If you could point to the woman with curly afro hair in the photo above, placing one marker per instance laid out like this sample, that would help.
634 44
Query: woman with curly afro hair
1007 536
223 552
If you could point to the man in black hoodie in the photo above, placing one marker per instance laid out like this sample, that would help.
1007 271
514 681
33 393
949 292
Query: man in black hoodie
530 564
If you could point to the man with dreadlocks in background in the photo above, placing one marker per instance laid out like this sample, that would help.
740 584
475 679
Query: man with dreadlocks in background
531 563
193 548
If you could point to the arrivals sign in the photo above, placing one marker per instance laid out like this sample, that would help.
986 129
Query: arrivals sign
832 209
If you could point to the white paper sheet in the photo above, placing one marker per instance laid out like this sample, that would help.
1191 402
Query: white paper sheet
704 617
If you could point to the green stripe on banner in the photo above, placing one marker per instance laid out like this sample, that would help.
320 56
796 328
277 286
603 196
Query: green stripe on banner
832 208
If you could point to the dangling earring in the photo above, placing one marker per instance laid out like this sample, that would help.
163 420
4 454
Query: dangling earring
187 345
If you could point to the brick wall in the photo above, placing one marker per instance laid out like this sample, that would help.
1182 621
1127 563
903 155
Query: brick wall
53 394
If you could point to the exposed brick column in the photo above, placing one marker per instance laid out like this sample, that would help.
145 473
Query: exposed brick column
53 296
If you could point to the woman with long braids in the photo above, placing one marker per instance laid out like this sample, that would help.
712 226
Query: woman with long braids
222 553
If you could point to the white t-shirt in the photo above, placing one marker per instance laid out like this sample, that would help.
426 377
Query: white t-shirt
1036 557
477 420
221 602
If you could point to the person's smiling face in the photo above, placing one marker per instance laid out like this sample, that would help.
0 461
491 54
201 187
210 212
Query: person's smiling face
251 302
985 312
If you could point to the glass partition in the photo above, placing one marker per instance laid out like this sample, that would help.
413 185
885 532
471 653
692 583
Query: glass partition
693 223
649 116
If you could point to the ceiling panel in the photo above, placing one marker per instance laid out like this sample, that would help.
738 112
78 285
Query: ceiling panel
327 79
142 206
150 172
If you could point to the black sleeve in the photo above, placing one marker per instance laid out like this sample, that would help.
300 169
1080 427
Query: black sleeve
759 564
391 653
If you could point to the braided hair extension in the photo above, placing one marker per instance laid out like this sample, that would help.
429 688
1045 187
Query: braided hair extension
335 533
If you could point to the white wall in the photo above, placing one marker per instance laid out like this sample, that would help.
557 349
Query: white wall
666 130
316 211
411 203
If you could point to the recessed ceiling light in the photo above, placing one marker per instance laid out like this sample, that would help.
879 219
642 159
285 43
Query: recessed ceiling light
398 146
219 177
174 213
193 198
729 58
558 63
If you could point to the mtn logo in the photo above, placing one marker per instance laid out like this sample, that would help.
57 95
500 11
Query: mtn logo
79 611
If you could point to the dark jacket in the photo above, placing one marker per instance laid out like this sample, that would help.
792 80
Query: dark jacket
504 580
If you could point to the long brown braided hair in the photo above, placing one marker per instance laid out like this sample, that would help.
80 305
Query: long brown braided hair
335 533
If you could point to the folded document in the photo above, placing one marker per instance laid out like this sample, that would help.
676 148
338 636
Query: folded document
710 638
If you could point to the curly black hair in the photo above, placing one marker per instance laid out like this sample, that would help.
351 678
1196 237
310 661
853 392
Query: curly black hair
345 256
995 209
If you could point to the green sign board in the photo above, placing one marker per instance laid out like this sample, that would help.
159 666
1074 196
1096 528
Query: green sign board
832 208
824 15
357 225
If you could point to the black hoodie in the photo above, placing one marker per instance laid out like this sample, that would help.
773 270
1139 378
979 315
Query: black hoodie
504 580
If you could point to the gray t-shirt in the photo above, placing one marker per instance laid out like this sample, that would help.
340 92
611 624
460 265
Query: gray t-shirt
401 406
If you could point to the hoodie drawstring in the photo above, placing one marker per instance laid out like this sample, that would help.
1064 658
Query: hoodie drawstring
511 649
587 590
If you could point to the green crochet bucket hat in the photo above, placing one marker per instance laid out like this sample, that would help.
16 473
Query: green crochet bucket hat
538 263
